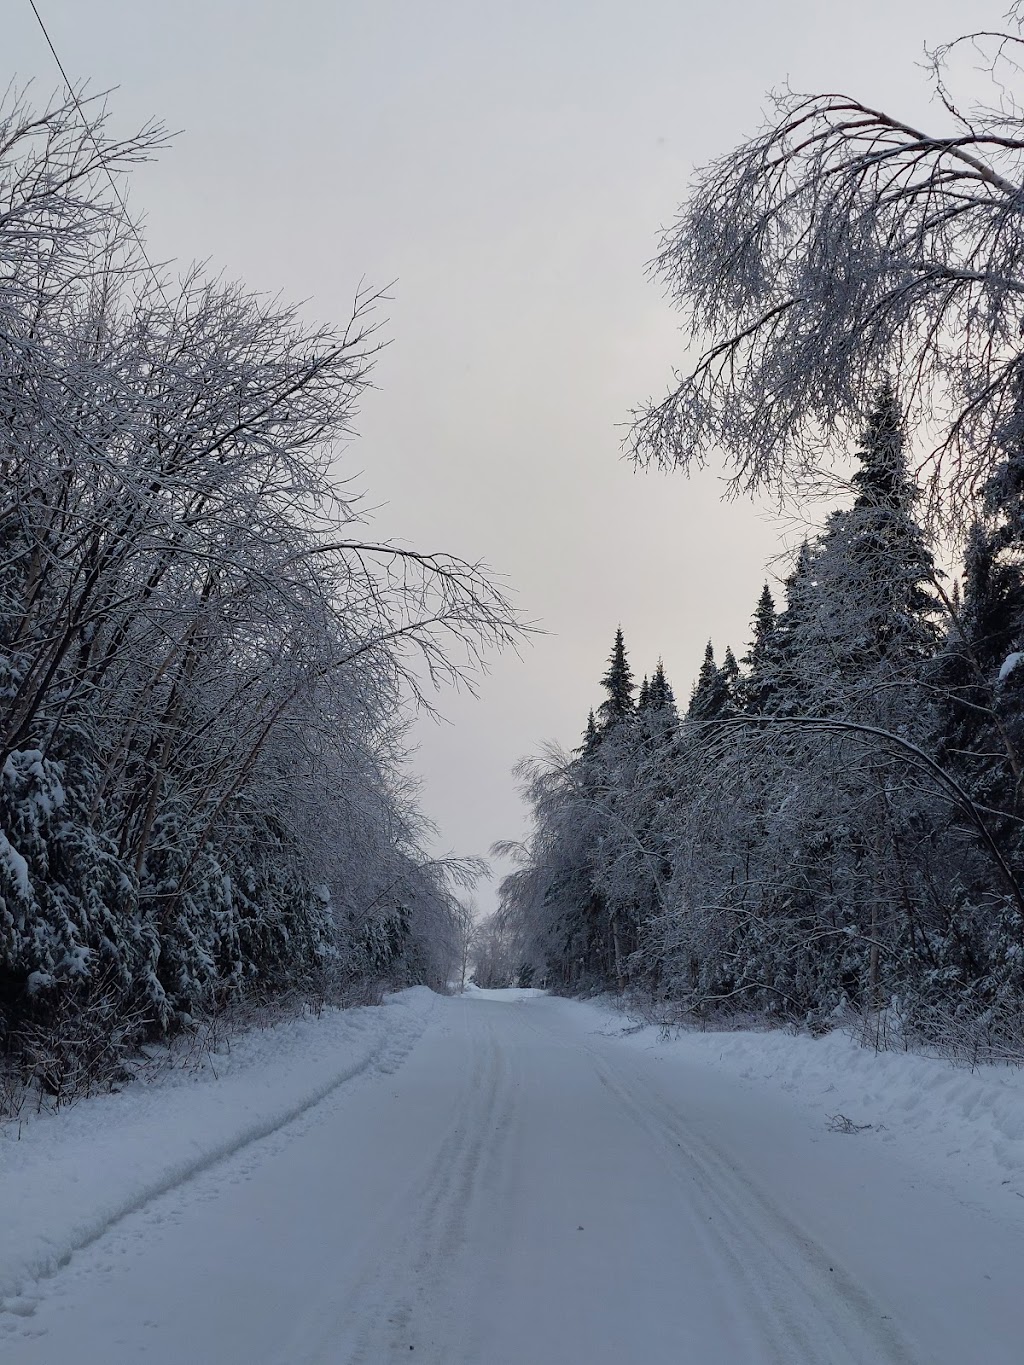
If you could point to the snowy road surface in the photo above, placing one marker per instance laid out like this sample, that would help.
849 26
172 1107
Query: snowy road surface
524 1186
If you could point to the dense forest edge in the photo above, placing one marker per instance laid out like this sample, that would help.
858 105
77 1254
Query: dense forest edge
833 824
207 662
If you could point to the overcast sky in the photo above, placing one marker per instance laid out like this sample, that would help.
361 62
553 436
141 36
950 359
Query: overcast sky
508 165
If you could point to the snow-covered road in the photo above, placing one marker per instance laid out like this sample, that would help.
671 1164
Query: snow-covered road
526 1185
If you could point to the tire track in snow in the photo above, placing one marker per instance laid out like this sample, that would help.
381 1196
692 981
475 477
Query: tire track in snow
385 1056
803 1307
416 1288
785 1300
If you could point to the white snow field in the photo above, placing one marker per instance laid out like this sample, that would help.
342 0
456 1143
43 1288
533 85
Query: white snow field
504 1178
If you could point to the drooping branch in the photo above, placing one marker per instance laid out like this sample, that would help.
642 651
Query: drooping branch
839 245
912 754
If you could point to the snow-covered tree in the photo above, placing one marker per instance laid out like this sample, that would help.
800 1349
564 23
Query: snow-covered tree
205 658
801 841
618 684
761 661
837 246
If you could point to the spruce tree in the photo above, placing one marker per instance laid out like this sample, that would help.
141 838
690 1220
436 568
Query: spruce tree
792 626
980 671
712 693
993 606
729 681
887 544
760 685
660 695
657 715
618 683
860 618
1003 494
591 736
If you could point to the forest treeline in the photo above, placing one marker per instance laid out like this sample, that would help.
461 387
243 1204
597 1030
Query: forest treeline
833 820
205 657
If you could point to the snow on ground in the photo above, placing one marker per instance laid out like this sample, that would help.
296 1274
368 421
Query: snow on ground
509 994
504 1176
67 1177
966 1126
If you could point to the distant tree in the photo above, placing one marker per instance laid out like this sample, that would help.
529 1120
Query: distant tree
494 962
465 923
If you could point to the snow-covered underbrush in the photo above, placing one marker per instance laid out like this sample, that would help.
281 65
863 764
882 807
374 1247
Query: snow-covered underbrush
67 1176
963 1032
79 1053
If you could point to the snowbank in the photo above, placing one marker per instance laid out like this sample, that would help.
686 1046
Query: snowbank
959 1123
65 1178
507 993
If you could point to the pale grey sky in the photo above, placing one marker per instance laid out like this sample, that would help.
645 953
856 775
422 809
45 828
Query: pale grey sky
509 166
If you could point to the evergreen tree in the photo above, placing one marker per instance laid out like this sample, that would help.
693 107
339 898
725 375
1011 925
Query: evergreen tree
660 696
590 736
888 546
791 693
760 685
729 681
657 717
711 698
1003 493
882 480
860 620
618 683
993 607
979 673
982 636
855 643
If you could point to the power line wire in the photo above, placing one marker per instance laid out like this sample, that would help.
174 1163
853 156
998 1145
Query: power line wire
96 147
